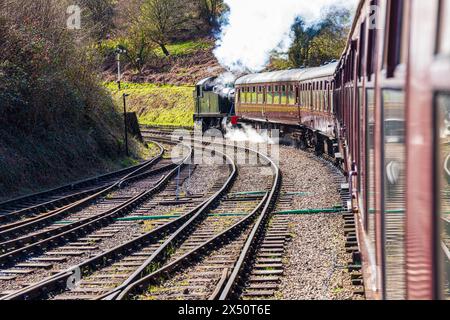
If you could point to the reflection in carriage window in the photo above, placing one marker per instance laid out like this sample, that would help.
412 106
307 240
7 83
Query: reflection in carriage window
443 184
394 192
370 164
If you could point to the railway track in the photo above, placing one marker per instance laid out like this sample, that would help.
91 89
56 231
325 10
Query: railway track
60 198
260 277
108 269
203 255
49 230
221 244
23 235
250 267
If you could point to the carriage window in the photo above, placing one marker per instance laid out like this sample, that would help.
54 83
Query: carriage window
331 98
260 95
325 97
276 95
319 96
316 96
322 96
310 96
254 95
301 95
313 96
394 30
443 187
394 193
269 95
304 91
444 27
370 164
283 95
292 100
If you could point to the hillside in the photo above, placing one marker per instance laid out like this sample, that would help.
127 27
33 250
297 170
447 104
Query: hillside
161 94
57 123
189 62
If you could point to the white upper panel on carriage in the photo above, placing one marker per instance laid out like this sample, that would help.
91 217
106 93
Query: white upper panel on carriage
293 75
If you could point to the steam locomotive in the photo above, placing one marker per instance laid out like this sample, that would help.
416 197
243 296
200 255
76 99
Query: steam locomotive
214 102
384 110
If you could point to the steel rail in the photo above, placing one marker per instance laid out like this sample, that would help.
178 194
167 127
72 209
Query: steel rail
65 233
72 186
228 235
59 282
14 234
160 255
46 219
78 198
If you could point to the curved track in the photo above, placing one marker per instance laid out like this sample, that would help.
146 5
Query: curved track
204 260
123 253
57 199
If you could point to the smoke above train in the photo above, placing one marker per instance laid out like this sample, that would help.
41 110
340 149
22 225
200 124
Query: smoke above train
253 29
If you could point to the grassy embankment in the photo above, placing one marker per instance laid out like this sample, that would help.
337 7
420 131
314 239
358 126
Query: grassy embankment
158 105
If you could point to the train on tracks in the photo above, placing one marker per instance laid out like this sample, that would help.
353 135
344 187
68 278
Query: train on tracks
382 113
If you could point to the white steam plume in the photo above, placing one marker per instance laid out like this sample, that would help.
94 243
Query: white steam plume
257 27
247 133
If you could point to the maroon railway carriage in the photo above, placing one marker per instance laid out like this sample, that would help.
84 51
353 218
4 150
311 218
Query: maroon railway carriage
298 101
392 101
386 105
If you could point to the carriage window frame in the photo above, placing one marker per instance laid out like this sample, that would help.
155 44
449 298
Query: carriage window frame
394 36
362 50
371 45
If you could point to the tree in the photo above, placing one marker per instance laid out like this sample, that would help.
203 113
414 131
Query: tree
300 48
325 41
100 14
162 19
209 11
139 48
